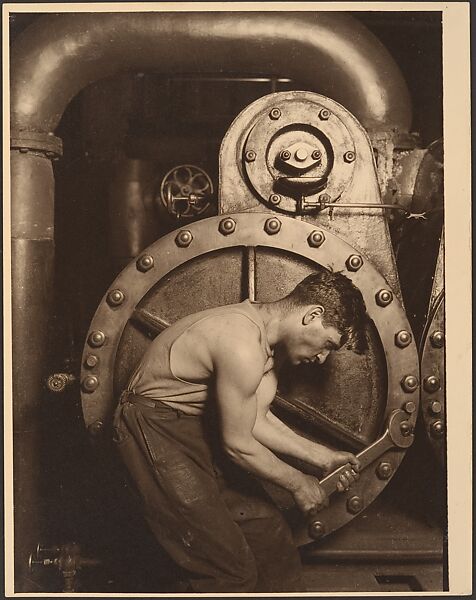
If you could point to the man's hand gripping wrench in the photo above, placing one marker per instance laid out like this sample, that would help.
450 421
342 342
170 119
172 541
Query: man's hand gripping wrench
398 434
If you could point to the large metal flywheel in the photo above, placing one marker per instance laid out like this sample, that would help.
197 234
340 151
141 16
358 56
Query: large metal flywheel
363 403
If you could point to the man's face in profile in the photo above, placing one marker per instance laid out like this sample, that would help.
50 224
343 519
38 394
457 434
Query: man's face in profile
309 340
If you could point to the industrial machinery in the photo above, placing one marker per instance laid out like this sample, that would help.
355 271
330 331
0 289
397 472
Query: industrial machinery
166 204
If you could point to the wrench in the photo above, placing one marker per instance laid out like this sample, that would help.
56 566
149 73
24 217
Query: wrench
398 434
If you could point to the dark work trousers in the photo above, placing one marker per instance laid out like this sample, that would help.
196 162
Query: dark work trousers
212 518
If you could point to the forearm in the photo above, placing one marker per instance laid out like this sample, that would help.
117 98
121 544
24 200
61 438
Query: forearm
255 458
275 435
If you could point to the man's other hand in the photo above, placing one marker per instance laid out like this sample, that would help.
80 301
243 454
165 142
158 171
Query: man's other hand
309 496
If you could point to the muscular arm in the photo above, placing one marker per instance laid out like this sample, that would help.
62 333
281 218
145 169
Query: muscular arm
274 434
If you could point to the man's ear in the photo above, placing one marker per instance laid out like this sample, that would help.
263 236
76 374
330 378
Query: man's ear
314 312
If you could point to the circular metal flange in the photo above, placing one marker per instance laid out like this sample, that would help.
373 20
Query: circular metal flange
326 140
433 392
99 404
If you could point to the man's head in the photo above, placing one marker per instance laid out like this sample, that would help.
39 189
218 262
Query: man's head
324 312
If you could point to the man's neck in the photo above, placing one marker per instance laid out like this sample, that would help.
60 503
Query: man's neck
272 315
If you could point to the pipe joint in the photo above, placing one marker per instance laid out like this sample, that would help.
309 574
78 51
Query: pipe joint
36 141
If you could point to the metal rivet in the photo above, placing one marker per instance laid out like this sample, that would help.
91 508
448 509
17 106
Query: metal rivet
409 407
250 155
274 114
227 226
90 383
437 339
275 199
403 338
272 226
144 263
349 157
96 339
437 429
431 384
384 470
354 262
354 505
324 198
91 361
435 407
383 297
96 427
184 238
115 298
316 238
316 154
285 155
409 383
406 428
316 529
324 114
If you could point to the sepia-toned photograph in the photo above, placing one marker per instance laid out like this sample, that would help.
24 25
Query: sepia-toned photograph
229 261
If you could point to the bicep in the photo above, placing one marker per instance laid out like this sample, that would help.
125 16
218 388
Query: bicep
237 379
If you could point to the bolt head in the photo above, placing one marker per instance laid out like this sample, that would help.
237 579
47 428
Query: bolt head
431 383
403 338
91 361
227 226
435 407
349 157
272 226
409 407
437 429
96 339
184 238
354 262
115 298
316 238
316 155
324 198
354 504
250 155
96 427
316 529
324 114
437 339
90 383
274 114
383 297
406 428
275 199
285 155
301 154
144 263
409 383
384 470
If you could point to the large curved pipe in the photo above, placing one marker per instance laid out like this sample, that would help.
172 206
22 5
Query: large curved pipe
58 55
330 53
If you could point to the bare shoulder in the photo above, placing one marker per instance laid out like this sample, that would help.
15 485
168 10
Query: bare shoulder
234 345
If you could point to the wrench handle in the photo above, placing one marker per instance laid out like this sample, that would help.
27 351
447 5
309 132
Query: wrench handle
366 457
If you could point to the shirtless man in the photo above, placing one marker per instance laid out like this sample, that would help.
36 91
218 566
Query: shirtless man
194 426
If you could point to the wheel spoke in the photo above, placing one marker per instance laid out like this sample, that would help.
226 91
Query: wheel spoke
150 322
251 272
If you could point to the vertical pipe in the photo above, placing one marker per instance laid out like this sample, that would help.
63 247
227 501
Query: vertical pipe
32 278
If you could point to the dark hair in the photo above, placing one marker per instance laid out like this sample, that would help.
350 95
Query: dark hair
344 307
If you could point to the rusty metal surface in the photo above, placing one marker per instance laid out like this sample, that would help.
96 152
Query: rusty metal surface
213 264
356 182
56 57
